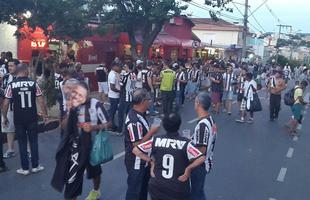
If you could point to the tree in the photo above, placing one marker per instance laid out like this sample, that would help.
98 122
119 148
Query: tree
68 18
140 17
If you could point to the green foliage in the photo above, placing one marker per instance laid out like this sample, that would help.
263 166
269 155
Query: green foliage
284 42
282 61
48 87
143 17
69 18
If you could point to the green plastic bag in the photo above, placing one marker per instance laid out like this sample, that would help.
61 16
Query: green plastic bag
101 151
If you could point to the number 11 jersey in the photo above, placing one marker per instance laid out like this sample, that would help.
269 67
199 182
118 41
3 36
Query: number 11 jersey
23 91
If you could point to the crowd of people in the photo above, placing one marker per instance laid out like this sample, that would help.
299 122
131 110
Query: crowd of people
167 166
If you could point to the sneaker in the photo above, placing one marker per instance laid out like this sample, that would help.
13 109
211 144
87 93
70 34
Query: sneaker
93 195
3 168
250 121
23 172
37 169
9 154
107 103
240 120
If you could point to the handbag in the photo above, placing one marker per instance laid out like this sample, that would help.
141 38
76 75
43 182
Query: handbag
101 151
255 104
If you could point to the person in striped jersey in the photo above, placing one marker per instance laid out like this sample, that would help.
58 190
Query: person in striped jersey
181 80
136 132
204 140
127 87
228 80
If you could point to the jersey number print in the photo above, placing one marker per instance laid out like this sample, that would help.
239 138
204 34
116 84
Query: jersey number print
23 95
168 165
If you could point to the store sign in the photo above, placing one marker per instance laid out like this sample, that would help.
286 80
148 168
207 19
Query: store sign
38 44
195 44
92 58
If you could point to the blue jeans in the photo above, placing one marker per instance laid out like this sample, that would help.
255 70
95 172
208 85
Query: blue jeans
123 110
29 132
137 182
178 100
198 177
2 164
167 99
152 107
113 108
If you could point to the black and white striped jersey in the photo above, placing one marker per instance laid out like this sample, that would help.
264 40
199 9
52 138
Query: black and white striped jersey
180 76
136 127
204 136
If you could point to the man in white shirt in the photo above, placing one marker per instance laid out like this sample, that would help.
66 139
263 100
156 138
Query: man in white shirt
249 88
114 91
228 80
139 67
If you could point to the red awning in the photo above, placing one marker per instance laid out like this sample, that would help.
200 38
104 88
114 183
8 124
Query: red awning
165 39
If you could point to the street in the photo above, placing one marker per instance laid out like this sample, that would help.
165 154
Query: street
252 162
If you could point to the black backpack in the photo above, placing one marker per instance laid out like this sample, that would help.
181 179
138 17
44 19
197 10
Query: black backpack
289 97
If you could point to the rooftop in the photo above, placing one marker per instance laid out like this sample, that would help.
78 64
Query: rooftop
210 24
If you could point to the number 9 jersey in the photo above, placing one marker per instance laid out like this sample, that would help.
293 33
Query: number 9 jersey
172 155
23 92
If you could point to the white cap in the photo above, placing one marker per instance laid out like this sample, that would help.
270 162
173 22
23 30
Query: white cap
138 62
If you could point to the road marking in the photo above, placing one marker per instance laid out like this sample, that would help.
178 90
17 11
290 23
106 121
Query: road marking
119 155
290 152
193 120
272 199
282 174
295 138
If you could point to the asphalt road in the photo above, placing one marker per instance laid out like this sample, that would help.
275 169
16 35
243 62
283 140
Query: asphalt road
260 161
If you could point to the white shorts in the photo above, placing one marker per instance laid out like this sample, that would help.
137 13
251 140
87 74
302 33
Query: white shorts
10 128
103 87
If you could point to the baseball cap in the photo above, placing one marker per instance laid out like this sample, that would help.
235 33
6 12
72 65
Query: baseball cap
138 62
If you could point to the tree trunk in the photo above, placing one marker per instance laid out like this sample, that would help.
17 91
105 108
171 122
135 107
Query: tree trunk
133 44
149 36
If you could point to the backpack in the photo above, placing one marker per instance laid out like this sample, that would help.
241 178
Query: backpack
289 97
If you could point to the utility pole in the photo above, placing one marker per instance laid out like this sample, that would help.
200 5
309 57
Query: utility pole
245 28
280 28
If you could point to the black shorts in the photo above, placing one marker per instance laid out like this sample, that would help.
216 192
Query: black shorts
93 171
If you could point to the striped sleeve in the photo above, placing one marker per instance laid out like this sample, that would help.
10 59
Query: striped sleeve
8 92
102 114
192 152
202 135
146 147
38 90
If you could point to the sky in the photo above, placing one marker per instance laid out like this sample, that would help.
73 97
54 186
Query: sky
290 12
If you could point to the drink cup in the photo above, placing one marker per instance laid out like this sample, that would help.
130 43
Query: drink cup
186 133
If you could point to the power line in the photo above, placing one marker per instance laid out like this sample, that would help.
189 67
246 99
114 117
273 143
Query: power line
273 14
217 12
259 7
253 16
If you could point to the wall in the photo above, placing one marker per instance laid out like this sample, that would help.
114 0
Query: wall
182 29
217 37
8 41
